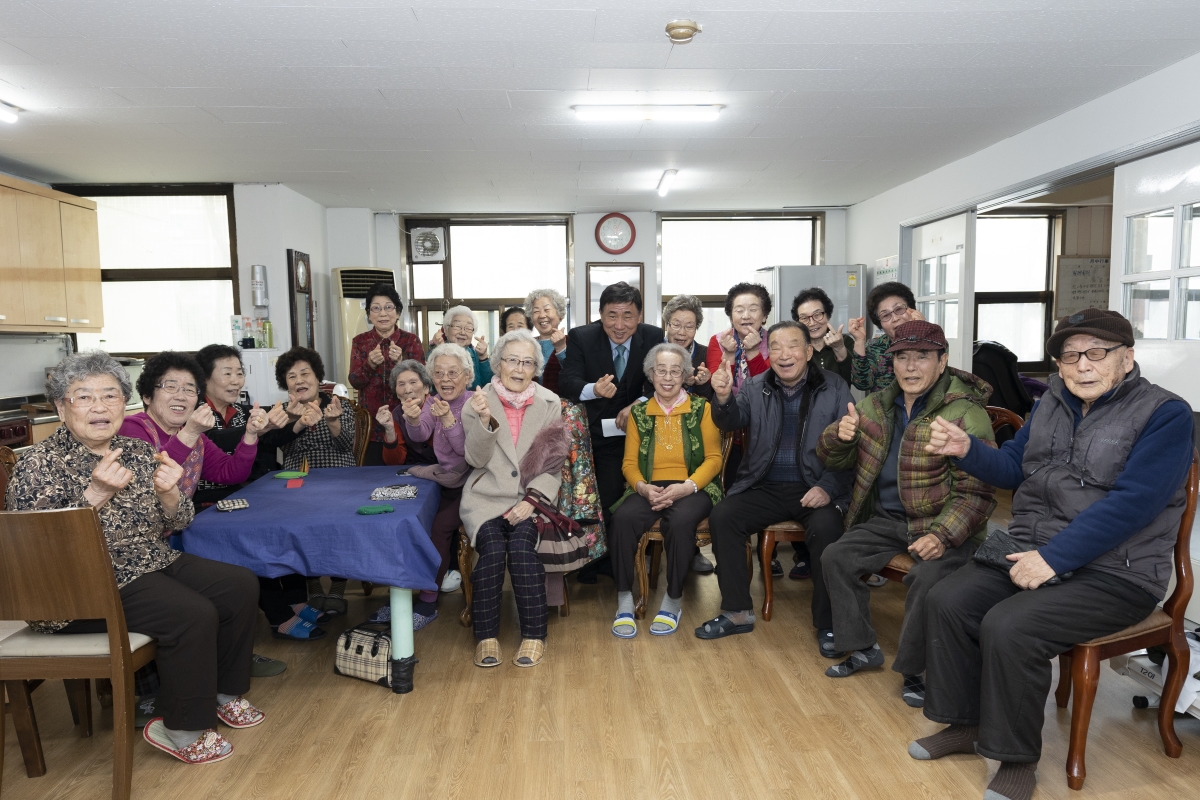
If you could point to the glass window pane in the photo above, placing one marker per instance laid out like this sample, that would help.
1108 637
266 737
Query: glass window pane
1148 242
163 232
950 269
927 278
709 256
1021 327
950 315
171 315
1146 308
1011 254
427 281
1189 308
931 310
1189 255
498 261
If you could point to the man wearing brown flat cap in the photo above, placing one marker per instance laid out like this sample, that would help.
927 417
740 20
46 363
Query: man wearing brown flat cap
1097 474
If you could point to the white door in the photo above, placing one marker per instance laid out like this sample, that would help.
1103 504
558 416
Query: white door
942 253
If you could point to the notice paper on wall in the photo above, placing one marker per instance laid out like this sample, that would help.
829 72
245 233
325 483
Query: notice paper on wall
1082 283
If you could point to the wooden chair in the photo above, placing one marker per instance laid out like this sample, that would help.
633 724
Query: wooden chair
8 460
1080 666
898 568
362 431
780 532
56 565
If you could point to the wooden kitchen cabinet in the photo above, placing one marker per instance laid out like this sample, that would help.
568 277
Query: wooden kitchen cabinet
12 278
40 229
81 262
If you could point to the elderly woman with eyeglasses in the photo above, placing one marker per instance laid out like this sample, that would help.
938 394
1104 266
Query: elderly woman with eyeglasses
373 353
889 305
672 462
458 327
813 309
411 382
682 317
518 445
201 612
438 420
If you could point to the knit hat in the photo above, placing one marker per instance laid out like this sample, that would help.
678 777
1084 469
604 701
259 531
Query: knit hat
918 335
1103 324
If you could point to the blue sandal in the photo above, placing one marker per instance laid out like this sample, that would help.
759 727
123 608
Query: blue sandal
303 631
624 619
310 614
665 618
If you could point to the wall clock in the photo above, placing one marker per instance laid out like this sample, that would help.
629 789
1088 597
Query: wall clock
615 233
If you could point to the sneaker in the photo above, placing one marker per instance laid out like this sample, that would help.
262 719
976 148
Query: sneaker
263 667
913 693
859 659
776 568
452 582
701 565
800 571
380 615
875 581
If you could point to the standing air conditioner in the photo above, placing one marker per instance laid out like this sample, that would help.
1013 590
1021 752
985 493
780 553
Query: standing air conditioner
352 284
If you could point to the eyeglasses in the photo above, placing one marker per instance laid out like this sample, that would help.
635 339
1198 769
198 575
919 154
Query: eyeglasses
524 363
665 372
453 374
680 327
389 308
462 328
816 316
1092 353
175 387
85 400
895 313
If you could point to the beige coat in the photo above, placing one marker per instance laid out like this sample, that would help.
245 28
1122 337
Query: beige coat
495 484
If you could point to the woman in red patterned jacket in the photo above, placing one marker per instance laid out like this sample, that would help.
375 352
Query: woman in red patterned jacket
373 353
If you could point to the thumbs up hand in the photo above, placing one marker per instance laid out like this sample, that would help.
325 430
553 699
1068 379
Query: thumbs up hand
848 427
722 382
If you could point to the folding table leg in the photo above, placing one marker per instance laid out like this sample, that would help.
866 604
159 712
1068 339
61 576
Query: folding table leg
403 660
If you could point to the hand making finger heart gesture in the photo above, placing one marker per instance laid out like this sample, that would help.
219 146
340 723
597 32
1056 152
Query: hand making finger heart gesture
479 403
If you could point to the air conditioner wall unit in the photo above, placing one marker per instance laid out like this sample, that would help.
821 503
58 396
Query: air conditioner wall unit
351 285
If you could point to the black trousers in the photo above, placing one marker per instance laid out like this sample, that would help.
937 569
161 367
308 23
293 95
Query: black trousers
374 456
202 613
991 645
276 596
735 518
679 522
607 454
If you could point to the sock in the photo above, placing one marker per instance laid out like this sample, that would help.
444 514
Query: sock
670 605
425 608
740 617
427 597
337 587
182 739
625 606
954 739
1013 781
222 699
286 627
315 587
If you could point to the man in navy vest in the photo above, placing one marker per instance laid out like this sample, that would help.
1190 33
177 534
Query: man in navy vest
1098 477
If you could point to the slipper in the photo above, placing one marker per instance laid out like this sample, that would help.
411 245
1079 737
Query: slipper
144 711
420 620
383 615
530 653
263 667
209 748
310 614
665 618
335 605
487 653
721 627
826 644
303 631
238 713
624 619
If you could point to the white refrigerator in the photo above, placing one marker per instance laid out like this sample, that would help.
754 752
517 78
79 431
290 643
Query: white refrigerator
260 376
842 282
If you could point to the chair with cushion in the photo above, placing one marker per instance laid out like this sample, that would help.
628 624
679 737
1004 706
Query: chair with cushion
1080 666
56 565
362 431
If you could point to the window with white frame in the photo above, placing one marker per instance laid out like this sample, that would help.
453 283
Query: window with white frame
1013 302
1160 288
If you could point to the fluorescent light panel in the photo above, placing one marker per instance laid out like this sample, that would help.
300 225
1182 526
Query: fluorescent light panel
7 113
640 113
664 183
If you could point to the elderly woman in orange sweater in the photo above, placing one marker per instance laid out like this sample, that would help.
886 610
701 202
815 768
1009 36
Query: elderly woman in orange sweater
672 461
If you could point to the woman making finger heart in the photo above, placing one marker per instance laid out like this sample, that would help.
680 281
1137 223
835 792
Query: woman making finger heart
813 309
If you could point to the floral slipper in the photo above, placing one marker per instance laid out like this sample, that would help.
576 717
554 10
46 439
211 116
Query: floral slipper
209 748
239 713
420 620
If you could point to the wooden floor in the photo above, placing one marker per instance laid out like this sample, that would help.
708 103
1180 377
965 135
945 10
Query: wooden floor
662 717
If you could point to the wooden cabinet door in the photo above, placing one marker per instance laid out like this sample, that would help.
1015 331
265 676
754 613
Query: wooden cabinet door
81 262
42 261
12 292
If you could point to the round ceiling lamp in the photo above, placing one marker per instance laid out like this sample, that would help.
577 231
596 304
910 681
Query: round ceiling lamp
682 31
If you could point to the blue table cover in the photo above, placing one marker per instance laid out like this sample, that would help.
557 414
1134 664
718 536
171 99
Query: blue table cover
315 530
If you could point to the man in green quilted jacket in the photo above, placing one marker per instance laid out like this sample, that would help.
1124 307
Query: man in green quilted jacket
905 500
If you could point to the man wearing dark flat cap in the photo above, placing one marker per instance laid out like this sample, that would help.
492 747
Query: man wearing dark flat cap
1098 476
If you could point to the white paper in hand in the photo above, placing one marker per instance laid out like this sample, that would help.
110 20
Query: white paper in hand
609 426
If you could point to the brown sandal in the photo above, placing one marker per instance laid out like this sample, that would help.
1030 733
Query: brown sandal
488 648
531 650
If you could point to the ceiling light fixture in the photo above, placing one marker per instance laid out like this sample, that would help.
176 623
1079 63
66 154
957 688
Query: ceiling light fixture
640 113
8 113
664 183
682 31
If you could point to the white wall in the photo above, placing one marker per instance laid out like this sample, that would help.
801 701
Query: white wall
271 219
351 237
835 237
645 249
1143 110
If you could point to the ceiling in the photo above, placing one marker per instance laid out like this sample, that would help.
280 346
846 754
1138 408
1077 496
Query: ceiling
464 105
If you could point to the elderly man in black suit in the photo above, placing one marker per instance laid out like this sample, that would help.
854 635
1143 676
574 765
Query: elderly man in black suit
603 370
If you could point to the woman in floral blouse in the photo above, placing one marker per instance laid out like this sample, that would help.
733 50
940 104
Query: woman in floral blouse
373 353
889 305
201 612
